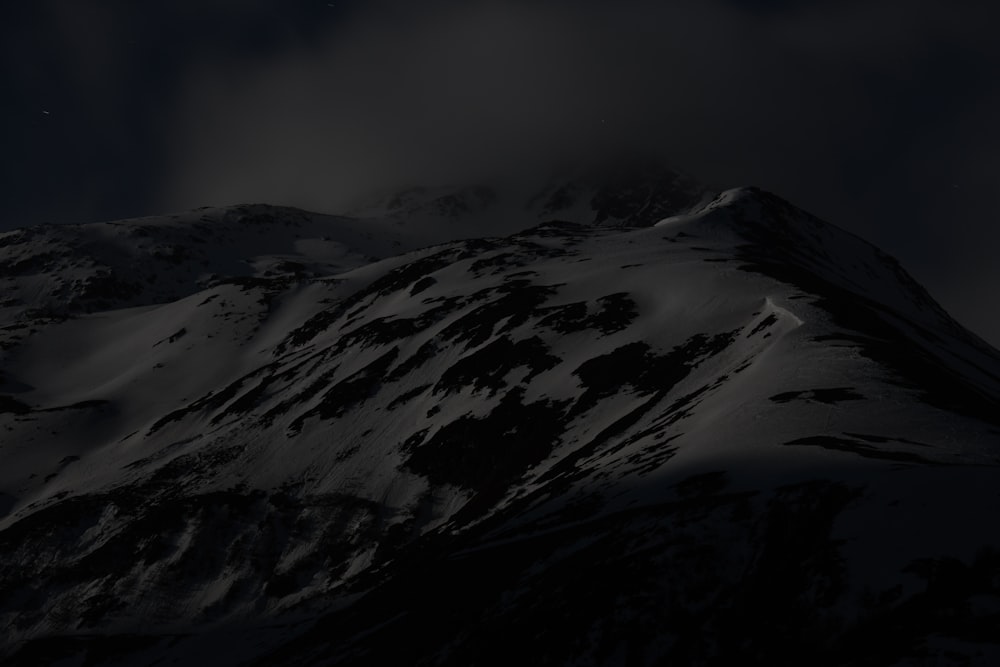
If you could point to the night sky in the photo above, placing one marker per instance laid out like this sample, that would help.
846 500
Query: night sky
878 115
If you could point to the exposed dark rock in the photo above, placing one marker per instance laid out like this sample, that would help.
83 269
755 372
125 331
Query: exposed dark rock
766 323
635 365
406 397
860 448
513 304
487 367
11 405
831 396
486 454
349 392
423 284
614 313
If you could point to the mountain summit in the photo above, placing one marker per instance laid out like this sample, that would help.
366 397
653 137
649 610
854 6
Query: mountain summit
642 424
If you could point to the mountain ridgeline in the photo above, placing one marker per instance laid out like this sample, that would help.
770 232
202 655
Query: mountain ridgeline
636 423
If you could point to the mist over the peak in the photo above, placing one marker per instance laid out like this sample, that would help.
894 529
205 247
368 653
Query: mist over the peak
463 91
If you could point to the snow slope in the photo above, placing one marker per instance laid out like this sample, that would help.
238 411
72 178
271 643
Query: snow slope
696 428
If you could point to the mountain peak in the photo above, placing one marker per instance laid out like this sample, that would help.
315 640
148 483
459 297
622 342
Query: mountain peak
633 192
302 439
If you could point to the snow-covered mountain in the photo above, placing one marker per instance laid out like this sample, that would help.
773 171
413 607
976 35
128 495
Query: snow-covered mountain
641 423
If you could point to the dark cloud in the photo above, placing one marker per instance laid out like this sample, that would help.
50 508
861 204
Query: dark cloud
88 86
877 115
798 98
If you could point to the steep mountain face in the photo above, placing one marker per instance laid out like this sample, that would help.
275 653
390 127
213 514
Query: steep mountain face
646 424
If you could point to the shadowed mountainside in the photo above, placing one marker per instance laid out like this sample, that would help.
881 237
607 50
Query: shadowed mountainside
692 428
